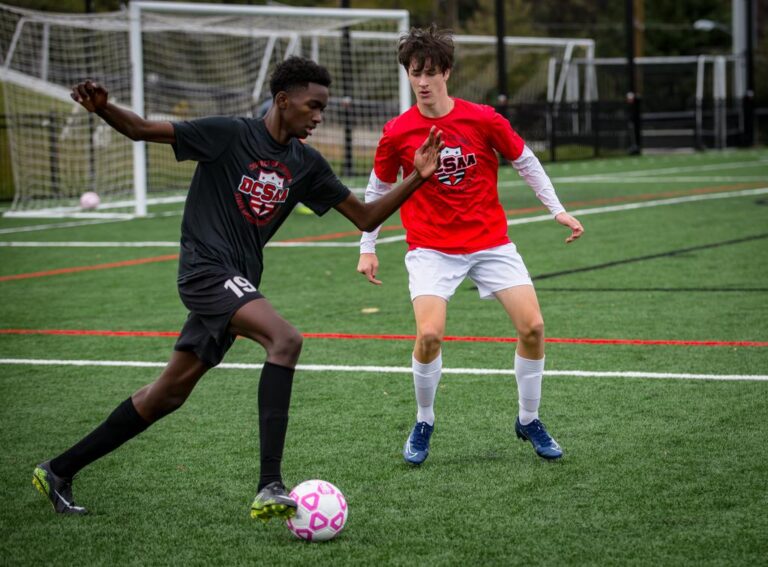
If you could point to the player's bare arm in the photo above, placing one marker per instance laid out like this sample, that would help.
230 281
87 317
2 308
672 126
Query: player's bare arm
571 222
367 216
95 98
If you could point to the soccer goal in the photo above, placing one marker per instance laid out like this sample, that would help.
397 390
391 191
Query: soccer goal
178 61
540 78
689 101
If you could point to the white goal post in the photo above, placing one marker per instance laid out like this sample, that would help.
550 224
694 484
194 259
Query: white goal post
338 18
178 61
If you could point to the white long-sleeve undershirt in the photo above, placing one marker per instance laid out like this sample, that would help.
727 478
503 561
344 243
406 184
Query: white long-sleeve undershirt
529 168
375 189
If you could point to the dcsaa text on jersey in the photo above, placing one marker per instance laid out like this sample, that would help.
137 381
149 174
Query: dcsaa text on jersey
454 165
263 195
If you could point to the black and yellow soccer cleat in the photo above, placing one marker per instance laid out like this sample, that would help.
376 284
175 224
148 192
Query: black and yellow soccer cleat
272 501
57 489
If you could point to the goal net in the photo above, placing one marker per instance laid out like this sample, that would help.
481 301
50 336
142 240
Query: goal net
689 101
177 61
540 78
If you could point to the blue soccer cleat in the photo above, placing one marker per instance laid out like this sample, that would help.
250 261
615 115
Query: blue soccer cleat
542 442
416 447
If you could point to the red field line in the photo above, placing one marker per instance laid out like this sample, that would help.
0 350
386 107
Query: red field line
75 269
377 337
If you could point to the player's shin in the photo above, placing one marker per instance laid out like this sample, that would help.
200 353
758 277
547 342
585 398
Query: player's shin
528 374
123 424
274 400
426 378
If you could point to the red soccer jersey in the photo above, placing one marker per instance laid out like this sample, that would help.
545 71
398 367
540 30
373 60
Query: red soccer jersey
457 211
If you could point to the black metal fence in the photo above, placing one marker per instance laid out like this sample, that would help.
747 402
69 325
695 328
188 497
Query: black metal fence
585 130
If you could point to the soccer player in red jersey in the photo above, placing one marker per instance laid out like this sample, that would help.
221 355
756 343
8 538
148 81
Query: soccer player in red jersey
456 227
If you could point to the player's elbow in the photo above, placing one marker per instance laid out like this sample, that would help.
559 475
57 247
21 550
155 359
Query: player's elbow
372 219
366 225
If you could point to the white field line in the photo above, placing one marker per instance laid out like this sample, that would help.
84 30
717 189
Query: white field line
559 181
616 177
77 212
749 164
90 221
75 244
400 238
608 177
641 175
36 227
393 369
638 180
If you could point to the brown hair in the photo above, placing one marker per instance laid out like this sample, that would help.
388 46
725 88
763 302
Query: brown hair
419 46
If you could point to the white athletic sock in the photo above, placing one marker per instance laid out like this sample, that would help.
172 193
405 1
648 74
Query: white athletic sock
528 374
426 377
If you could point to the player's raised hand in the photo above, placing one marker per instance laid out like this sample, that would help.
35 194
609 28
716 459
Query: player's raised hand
427 158
368 265
576 229
92 96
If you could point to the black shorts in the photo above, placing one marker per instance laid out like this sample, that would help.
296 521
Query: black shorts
212 298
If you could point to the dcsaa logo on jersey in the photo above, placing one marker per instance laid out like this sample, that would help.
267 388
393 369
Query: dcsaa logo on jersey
454 165
259 197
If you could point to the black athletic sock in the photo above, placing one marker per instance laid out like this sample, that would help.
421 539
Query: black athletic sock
274 399
123 424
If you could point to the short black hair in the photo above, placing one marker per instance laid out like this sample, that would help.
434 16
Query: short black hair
421 45
297 72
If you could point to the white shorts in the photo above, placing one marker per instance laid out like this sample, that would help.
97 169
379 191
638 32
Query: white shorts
434 273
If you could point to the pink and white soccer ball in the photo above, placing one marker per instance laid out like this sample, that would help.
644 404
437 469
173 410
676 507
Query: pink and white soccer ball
322 511
89 200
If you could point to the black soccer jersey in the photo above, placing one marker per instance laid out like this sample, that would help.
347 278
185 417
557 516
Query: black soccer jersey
244 187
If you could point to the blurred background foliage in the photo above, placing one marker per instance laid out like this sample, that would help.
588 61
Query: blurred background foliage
667 27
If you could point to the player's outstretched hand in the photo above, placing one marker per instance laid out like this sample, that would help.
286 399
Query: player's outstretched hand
427 158
368 265
92 96
576 229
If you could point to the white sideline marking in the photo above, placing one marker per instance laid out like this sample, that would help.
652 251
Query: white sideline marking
655 180
394 369
72 224
640 175
400 238
147 244
750 164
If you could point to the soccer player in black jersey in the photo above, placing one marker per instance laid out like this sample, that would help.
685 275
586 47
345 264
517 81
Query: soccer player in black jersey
251 173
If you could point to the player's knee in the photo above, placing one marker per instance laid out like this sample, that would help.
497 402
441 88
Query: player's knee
158 402
429 340
287 345
532 332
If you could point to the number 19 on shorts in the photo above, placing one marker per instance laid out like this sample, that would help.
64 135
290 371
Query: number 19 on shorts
239 286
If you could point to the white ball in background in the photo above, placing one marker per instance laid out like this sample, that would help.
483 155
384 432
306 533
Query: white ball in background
89 200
